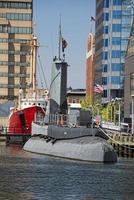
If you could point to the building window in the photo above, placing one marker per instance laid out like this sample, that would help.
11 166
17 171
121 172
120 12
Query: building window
20 30
3 15
10 52
9 40
116 27
117 67
115 80
6 63
126 28
104 68
117 2
3 29
19 16
105 93
22 5
105 29
116 41
17 30
123 54
106 3
104 80
116 54
124 42
105 42
116 14
105 55
106 16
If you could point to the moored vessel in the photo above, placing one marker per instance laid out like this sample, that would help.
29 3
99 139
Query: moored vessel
30 104
57 135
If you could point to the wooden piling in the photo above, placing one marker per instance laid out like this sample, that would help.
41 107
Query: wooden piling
123 144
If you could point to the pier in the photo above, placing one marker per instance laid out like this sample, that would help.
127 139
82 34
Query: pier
123 144
14 138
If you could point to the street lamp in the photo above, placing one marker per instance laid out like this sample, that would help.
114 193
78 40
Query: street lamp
107 114
92 112
119 110
132 114
118 100
114 110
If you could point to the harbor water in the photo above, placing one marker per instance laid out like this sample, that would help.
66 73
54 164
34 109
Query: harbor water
27 176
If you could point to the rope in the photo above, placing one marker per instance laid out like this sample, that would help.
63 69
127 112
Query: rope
42 70
115 141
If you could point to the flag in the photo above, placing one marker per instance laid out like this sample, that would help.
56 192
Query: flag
64 44
98 88
92 19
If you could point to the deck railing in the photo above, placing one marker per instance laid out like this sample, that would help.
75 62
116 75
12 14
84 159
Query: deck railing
59 119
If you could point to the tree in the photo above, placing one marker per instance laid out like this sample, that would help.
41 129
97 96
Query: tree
87 104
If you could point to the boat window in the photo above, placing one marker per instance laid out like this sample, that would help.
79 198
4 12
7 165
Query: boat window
74 101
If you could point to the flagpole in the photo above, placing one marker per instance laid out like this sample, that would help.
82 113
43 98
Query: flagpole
92 19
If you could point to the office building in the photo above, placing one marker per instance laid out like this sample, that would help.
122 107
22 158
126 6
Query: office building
129 78
113 25
15 37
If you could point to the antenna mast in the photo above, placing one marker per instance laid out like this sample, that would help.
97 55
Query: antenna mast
34 62
34 47
60 37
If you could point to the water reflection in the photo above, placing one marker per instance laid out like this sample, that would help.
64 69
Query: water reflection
26 176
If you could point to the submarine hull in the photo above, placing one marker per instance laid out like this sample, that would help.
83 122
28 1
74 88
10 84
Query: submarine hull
87 148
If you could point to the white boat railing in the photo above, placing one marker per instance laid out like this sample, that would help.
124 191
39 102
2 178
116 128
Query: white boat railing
112 126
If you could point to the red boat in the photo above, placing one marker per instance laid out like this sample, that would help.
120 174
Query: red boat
30 106
20 120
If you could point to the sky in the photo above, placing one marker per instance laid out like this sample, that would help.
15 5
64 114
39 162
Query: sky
76 25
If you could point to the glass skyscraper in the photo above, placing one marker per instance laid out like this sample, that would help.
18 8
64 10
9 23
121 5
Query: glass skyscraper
113 25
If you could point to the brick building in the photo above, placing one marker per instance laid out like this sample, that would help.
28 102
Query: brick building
90 66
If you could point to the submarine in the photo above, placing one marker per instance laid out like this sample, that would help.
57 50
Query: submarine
57 135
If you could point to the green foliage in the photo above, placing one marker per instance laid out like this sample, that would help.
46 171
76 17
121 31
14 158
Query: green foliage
86 103
108 112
